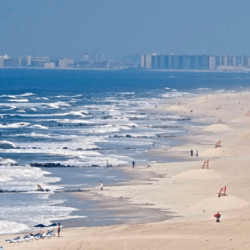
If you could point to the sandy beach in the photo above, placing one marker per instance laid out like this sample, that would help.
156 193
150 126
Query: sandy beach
182 188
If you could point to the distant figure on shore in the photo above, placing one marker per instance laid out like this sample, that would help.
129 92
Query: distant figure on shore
58 229
101 186
197 154
217 216
133 164
107 161
191 153
1 248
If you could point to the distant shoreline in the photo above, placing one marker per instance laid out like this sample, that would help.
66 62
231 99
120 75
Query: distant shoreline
132 69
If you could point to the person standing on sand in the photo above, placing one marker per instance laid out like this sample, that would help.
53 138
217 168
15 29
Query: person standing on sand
101 186
58 229
191 153
217 216
197 154
133 163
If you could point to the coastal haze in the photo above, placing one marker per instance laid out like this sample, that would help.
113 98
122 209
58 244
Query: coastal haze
119 93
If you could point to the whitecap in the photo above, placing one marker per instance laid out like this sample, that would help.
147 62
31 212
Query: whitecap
201 89
7 145
11 227
19 100
15 125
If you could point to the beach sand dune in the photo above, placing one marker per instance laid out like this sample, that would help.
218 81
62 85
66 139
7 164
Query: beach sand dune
199 174
217 152
218 128
221 203
241 119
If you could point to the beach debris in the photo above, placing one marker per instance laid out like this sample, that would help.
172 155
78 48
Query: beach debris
248 113
222 192
218 108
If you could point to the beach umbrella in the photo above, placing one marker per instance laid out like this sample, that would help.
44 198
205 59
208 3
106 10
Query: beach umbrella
40 225
52 225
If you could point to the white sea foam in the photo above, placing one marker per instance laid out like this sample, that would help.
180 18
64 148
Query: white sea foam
167 88
39 126
17 96
26 178
18 100
6 161
11 227
33 134
127 93
201 89
6 144
56 105
175 94
15 125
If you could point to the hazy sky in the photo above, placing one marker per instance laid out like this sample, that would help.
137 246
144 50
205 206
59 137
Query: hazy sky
120 27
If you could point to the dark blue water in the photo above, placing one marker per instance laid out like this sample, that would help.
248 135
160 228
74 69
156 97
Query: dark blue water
53 82
84 118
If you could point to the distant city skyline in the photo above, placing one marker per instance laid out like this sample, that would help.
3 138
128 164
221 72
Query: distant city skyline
62 28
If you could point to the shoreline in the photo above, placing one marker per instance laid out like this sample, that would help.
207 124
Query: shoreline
184 187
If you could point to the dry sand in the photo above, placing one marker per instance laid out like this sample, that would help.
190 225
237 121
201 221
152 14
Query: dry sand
183 188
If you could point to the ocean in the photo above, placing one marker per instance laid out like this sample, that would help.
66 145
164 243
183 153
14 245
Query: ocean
84 118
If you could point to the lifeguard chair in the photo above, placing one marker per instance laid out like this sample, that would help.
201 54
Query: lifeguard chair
218 144
222 192
205 165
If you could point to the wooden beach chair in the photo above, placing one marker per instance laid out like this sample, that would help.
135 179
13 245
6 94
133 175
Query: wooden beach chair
218 144
222 192
205 164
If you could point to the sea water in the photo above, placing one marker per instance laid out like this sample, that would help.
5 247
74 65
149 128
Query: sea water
83 118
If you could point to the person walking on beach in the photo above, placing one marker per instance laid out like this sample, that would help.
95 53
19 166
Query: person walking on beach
58 229
217 216
107 161
101 186
133 163
191 153
197 154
